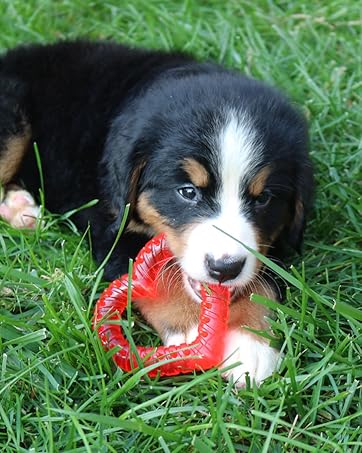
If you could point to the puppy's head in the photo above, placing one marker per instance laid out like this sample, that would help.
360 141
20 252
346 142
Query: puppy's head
219 161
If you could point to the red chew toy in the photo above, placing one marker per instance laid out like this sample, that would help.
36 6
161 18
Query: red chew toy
204 353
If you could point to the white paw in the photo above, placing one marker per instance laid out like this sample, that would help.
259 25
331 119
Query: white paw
256 358
19 209
175 339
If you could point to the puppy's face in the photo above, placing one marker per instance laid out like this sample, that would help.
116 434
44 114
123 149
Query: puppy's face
218 178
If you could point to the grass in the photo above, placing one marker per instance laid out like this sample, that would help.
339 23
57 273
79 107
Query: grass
59 392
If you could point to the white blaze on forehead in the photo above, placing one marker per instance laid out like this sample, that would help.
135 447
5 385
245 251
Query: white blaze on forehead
238 154
238 149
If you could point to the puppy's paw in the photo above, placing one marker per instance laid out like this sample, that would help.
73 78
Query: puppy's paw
257 358
177 338
19 209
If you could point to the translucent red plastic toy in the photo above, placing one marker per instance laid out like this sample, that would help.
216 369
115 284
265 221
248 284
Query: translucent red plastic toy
204 353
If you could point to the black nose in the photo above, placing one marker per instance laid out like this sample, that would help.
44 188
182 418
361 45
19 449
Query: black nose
226 268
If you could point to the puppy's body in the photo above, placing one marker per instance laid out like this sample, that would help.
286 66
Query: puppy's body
65 98
197 151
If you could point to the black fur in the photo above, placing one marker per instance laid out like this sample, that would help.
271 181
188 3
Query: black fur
111 122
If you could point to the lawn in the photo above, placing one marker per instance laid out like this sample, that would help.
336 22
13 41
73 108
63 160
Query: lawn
59 392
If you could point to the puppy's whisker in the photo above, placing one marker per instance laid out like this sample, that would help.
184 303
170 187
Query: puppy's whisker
258 282
170 275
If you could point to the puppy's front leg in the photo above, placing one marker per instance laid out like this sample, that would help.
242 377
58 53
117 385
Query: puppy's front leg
257 358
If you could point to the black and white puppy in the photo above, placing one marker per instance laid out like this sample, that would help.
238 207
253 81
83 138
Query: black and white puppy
197 150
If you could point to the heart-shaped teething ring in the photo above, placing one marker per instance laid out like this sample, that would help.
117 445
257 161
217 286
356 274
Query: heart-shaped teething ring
204 353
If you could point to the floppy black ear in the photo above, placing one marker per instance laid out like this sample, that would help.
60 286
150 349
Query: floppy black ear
122 165
304 190
119 170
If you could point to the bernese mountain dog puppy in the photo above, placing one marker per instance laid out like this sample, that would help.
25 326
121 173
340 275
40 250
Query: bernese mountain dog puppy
210 157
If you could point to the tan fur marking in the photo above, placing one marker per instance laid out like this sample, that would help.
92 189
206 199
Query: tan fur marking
12 154
155 223
198 174
137 227
257 184
149 214
245 313
133 183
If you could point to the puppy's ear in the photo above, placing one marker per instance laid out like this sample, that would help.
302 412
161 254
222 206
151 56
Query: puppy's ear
121 167
304 190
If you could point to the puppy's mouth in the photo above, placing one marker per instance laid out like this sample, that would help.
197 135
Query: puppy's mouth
195 287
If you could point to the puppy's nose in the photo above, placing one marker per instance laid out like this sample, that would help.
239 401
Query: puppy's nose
225 268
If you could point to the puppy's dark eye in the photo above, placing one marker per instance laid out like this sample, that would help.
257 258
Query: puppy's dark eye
263 199
190 193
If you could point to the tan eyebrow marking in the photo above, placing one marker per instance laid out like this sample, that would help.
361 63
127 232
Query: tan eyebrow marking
198 174
257 184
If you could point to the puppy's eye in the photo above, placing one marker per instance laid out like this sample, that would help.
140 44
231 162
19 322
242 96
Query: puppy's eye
190 193
263 199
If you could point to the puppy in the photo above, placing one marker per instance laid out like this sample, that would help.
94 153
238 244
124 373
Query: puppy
214 159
